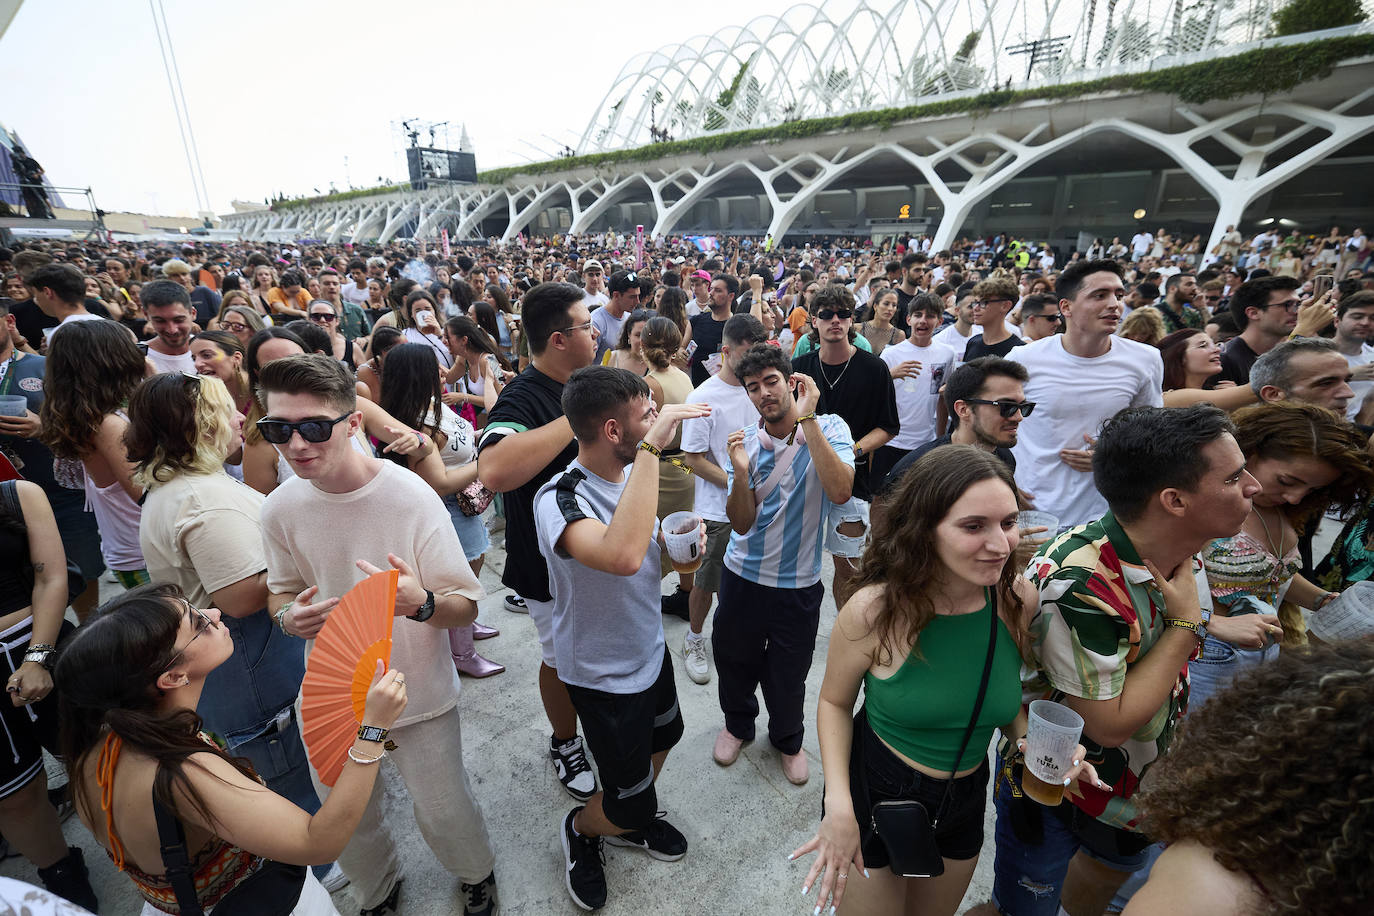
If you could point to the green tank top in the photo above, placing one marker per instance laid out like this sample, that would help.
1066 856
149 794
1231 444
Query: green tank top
923 708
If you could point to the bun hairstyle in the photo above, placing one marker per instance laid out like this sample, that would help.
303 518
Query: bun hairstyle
659 340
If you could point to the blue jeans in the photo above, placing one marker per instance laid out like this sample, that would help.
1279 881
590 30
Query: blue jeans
1029 877
1219 663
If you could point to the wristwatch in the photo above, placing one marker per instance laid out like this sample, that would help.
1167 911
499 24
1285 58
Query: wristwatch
38 657
372 733
1198 629
426 610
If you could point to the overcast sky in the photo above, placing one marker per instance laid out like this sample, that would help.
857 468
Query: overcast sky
280 91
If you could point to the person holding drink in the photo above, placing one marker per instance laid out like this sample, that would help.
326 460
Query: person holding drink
597 527
935 634
1120 613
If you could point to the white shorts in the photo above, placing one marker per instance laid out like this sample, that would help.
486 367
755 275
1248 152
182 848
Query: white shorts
541 612
841 545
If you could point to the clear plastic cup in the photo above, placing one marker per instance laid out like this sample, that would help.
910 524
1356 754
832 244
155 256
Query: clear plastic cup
1033 518
682 536
1051 738
13 405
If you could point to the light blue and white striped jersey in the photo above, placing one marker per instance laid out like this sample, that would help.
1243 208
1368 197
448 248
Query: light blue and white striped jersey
783 549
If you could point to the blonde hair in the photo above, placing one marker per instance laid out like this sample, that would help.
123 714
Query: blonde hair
175 429
1145 325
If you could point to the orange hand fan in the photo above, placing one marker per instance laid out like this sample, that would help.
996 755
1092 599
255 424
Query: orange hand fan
340 669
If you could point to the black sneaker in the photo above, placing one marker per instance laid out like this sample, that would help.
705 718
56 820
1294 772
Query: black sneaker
660 839
69 879
481 897
583 860
516 605
570 760
676 604
390 905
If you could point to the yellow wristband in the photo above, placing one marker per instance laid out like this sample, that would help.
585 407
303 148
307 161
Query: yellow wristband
651 449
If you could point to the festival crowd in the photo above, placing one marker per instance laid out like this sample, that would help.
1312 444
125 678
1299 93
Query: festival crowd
1093 479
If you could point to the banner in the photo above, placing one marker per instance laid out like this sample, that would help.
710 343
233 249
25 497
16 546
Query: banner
443 239
639 247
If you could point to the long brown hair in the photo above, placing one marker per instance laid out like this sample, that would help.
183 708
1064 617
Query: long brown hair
108 672
1294 429
902 556
93 368
1172 350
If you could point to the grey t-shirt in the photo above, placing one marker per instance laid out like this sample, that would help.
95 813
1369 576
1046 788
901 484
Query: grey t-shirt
607 629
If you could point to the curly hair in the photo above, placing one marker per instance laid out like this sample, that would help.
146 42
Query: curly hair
1145 325
93 367
1301 823
179 425
1294 429
902 554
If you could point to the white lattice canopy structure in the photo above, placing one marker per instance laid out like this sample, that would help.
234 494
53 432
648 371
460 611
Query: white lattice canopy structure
813 61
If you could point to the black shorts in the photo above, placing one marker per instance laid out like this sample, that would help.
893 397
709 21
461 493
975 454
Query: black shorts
959 831
24 730
623 732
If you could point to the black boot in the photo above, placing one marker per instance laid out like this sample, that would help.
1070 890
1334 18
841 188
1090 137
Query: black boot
69 879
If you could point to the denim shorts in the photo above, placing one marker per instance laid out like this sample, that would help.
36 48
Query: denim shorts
471 530
885 776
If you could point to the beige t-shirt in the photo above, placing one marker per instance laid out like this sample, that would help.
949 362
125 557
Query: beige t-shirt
315 538
202 532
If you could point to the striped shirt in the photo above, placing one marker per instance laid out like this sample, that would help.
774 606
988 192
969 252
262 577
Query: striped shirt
783 548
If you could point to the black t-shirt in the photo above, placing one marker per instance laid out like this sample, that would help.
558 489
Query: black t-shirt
1236 360
976 348
530 401
861 394
889 483
903 300
205 304
707 334
31 322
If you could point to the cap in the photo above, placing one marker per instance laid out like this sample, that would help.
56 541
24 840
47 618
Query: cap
593 264
679 260
701 275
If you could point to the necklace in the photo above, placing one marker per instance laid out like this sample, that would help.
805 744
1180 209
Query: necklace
1277 548
829 384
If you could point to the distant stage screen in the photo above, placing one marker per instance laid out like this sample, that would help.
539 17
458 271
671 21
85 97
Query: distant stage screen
428 165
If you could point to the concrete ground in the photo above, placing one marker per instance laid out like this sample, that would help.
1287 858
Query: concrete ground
741 822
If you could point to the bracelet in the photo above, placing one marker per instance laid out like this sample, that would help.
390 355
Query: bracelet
1326 599
651 449
280 616
41 647
796 426
364 760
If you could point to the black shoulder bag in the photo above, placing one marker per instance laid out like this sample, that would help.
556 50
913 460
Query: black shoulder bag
906 828
273 890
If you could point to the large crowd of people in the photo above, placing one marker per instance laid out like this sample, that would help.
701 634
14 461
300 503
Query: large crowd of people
240 433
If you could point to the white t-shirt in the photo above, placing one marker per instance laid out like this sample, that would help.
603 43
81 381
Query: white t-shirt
731 409
917 397
355 294
164 362
311 537
950 338
1361 389
1140 243
595 300
608 327
1073 396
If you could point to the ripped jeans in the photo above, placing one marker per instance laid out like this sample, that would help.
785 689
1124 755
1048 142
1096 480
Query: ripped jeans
1029 877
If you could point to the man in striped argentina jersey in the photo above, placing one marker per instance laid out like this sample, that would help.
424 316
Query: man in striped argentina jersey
786 474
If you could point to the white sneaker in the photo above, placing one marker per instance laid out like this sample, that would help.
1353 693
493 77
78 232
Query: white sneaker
694 658
335 879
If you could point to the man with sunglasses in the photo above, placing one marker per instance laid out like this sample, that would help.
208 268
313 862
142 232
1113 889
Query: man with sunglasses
1079 379
992 300
324 315
593 283
1040 317
610 318
526 442
857 386
352 321
321 537
1266 311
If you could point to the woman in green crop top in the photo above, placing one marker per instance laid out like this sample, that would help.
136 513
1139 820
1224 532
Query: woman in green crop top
915 636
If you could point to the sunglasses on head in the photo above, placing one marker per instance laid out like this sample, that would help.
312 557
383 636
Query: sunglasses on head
827 314
1006 408
278 432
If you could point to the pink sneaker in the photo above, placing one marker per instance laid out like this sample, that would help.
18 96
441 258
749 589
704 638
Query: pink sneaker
482 631
795 768
727 748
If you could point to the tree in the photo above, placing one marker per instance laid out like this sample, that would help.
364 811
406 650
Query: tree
1299 16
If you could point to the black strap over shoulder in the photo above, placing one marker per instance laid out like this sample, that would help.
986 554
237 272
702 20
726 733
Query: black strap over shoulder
565 493
9 495
977 708
176 859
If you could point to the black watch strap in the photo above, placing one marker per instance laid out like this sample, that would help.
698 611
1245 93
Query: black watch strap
372 733
426 610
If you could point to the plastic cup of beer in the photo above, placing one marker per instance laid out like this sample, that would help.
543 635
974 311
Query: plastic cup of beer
682 535
1032 518
13 405
1051 738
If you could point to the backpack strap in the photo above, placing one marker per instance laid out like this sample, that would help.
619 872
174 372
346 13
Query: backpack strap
172 840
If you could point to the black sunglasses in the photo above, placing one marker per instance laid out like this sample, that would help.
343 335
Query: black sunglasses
1005 408
827 314
278 432
1053 316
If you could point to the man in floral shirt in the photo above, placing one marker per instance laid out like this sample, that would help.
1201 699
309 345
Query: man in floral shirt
1121 601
